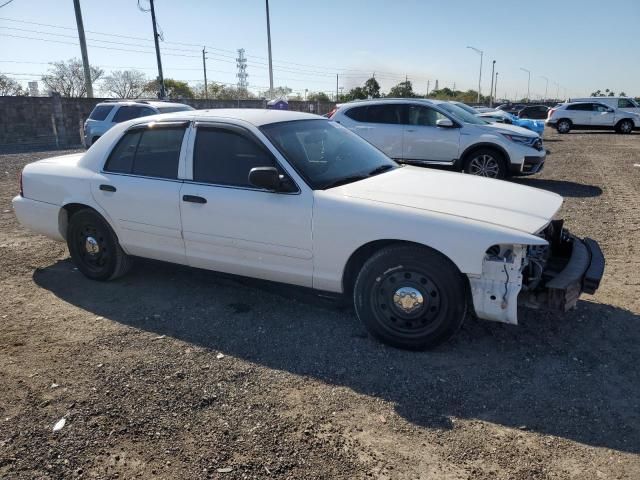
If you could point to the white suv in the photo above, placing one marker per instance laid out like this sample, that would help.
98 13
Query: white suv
111 112
432 132
591 116
623 103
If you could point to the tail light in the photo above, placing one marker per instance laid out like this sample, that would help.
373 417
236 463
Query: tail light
332 113
551 110
21 188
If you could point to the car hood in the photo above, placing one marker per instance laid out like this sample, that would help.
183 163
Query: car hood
509 129
496 202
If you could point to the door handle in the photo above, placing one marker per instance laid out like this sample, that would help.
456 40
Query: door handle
410 130
193 199
107 188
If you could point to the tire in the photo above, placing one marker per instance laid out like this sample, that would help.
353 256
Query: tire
486 162
563 126
397 275
624 126
94 247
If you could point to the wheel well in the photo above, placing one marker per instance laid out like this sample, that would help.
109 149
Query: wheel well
362 254
623 120
565 119
66 213
484 146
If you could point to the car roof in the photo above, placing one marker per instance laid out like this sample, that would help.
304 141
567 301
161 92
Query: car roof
152 103
254 116
379 101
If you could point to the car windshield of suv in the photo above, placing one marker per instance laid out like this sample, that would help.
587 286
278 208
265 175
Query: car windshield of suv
174 109
461 114
325 153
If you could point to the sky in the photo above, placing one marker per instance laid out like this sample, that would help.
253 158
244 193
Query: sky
579 45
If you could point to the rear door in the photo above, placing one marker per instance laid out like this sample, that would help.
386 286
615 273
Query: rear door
139 188
381 125
424 140
602 115
580 113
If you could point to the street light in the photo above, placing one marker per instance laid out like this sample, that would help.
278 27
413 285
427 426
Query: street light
528 83
557 91
493 67
480 52
546 88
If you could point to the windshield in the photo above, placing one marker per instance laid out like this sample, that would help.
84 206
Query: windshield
325 153
466 108
461 114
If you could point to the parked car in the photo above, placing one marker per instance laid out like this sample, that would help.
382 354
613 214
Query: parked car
109 113
511 107
623 103
591 116
535 112
500 116
433 132
296 198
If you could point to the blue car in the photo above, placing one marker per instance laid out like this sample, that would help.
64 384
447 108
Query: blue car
500 116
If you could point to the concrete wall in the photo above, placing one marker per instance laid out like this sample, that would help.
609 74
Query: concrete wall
29 123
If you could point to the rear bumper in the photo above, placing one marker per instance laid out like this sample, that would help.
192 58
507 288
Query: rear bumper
581 274
40 217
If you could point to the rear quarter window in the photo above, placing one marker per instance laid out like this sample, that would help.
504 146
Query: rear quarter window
100 112
359 114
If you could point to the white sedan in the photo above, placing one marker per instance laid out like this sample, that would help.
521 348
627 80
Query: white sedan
295 198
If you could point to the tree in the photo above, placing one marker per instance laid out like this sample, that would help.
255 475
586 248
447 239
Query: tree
318 97
278 92
372 88
8 87
622 94
402 90
67 78
607 93
125 83
174 89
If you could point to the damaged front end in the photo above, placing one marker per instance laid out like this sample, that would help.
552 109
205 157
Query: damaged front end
548 276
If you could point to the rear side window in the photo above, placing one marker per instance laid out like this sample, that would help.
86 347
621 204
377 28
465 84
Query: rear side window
150 153
127 112
174 109
389 114
225 157
584 107
100 112
359 114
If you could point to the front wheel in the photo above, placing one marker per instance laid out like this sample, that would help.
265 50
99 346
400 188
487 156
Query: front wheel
94 247
486 162
410 297
625 126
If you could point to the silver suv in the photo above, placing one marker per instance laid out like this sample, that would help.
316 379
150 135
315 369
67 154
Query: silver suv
432 132
106 114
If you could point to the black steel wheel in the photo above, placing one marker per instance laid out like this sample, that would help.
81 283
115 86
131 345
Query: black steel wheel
94 247
410 297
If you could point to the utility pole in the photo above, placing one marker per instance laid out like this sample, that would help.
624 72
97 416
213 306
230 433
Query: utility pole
162 93
204 69
83 49
528 83
480 52
546 89
493 66
269 45
495 86
428 84
337 88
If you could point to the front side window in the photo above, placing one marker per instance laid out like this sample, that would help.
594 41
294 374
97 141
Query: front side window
626 103
225 157
598 107
424 116
100 112
325 153
151 152
461 114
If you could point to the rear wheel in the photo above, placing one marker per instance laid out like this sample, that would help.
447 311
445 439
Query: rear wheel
410 297
624 126
563 126
486 162
94 247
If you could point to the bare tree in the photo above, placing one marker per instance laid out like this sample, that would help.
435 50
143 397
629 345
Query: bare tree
9 86
125 83
67 78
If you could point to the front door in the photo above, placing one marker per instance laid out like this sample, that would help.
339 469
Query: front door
230 225
602 116
425 141
139 190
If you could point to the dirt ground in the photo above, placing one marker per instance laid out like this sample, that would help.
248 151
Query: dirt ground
175 373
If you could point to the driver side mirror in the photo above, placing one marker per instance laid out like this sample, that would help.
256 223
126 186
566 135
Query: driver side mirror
268 178
444 123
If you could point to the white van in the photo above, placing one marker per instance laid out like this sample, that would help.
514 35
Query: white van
623 103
